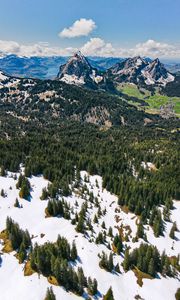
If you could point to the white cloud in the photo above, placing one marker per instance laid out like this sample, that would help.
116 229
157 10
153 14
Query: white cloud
156 49
39 49
98 47
80 27
94 47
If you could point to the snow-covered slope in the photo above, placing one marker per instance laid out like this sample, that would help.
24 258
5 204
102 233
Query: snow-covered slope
14 285
6 81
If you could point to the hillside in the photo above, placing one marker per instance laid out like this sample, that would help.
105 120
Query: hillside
33 99
42 230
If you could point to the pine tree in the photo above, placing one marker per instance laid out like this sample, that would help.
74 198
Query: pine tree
94 287
110 231
118 243
103 225
110 262
73 251
158 225
50 294
95 219
99 239
151 268
2 171
44 194
22 253
80 225
25 189
2 193
126 262
109 295
140 231
81 277
172 231
16 204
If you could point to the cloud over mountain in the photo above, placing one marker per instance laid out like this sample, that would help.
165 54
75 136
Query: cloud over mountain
94 47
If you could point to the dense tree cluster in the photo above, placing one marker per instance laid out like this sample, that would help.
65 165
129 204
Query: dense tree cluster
58 207
106 262
148 260
117 242
20 239
53 259
24 185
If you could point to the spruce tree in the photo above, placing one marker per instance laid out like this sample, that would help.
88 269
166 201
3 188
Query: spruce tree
110 262
140 231
109 295
73 251
126 262
50 294
80 225
172 231
16 204
2 171
151 268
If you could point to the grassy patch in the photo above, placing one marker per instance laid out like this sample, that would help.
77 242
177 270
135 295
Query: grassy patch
140 276
154 102
47 215
28 271
125 209
3 235
52 280
132 90
7 247
7 243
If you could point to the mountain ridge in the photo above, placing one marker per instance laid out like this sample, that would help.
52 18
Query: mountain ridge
47 67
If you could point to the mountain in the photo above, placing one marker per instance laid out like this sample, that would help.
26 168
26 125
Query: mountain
140 71
78 71
128 70
156 73
47 67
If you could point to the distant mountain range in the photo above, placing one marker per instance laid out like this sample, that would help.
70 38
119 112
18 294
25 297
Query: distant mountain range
78 70
47 67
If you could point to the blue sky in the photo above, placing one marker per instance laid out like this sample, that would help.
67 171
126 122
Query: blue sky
123 23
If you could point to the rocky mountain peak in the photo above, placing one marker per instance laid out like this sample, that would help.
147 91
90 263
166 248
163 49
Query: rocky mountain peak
79 71
138 70
156 72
